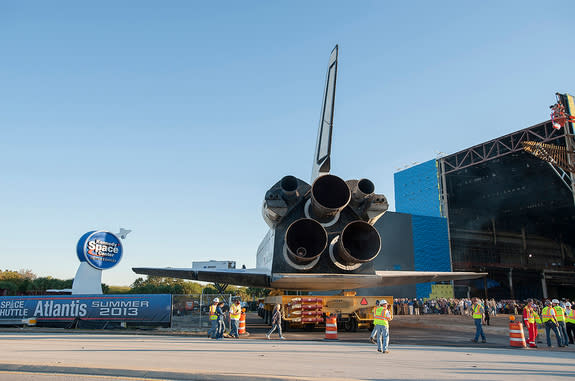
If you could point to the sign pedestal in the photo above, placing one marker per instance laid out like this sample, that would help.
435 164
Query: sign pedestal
97 250
88 280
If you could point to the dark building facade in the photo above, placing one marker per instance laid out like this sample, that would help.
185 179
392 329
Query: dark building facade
509 214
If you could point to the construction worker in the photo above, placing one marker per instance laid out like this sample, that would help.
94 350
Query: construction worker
221 315
235 313
548 318
374 331
570 321
538 324
529 320
381 321
560 315
213 319
478 313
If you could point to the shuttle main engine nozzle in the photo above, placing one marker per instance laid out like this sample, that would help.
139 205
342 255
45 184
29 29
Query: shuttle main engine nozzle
289 186
305 240
359 242
360 190
329 195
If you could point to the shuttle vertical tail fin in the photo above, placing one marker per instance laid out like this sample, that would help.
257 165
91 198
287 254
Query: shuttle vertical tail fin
321 160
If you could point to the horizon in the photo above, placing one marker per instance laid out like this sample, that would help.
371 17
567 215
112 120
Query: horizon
173 120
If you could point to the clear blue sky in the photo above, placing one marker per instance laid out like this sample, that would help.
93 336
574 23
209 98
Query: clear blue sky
173 118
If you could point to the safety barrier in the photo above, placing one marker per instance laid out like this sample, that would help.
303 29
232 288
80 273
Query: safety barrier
21 322
516 336
331 328
242 324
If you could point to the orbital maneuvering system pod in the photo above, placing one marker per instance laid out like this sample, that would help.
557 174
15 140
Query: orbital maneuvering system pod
321 235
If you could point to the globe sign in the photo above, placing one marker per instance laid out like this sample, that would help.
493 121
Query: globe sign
101 249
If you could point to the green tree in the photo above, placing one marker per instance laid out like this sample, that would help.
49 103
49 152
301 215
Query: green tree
256 292
160 285
26 282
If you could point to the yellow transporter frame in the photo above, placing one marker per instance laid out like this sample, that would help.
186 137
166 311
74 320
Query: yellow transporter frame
309 311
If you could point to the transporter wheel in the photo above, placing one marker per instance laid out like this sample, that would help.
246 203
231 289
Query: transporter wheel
353 325
348 325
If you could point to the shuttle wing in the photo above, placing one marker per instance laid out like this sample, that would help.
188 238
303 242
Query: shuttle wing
237 277
325 282
310 282
303 217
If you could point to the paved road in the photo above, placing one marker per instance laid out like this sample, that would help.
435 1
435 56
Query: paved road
47 355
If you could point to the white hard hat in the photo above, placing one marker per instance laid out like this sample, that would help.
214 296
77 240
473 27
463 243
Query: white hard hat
216 300
383 301
568 304
555 301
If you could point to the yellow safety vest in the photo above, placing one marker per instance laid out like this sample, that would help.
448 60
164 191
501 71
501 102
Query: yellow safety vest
477 313
381 317
213 315
537 318
235 311
570 316
546 314
560 313
530 318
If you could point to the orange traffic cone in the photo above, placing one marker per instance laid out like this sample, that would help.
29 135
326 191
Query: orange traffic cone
516 336
331 328
242 324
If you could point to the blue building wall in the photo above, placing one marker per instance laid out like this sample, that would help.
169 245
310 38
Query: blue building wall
430 248
417 190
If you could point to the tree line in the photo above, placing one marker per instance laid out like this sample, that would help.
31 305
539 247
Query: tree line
25 282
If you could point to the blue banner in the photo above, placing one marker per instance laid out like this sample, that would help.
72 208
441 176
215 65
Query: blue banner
154 308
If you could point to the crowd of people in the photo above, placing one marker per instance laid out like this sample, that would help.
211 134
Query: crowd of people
458 306
554 315
218 313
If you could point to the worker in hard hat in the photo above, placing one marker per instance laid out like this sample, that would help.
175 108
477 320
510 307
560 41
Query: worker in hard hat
235 313
570 321
381 320
213 319
220 316
550 321
538 322
560 314
478 316
374 331
529 320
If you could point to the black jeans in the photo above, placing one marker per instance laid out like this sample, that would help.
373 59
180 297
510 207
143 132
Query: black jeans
571 332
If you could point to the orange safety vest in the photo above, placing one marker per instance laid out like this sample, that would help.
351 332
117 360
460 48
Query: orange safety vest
213 315
547 314
560 313
477 314
382 317
529 316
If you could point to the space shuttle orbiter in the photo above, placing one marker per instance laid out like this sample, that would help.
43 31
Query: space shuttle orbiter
321 235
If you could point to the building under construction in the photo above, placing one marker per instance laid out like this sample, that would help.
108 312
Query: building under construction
510 213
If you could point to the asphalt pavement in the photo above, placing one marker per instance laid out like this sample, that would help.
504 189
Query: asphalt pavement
425 348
